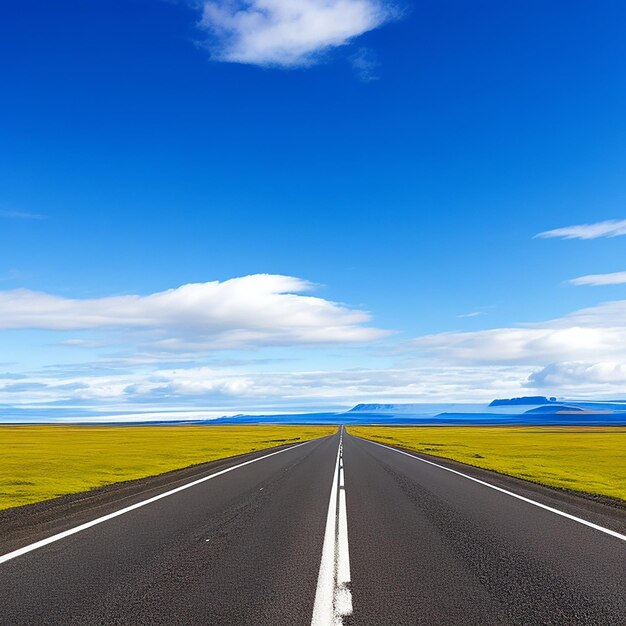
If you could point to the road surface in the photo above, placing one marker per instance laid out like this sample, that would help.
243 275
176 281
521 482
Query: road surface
334 531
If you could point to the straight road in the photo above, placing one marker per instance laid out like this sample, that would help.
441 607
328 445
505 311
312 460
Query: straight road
335 531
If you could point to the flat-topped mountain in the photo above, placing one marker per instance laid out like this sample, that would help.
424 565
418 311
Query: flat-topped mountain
524 400
360 408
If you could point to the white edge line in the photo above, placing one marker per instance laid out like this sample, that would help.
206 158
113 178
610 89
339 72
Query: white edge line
602 529
72 531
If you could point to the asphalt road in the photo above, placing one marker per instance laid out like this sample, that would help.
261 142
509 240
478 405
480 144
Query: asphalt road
310 535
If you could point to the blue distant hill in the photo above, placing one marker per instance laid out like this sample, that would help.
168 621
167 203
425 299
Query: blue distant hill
529 410
524 400
550 413
532 418
360 408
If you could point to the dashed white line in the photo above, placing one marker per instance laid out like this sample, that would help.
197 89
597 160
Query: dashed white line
602 529
333 598
72 531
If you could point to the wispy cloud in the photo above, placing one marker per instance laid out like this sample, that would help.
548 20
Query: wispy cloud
251 311
597 280
286 33
365 64
609 228
81 343
241 389
20 215
472 314
12 274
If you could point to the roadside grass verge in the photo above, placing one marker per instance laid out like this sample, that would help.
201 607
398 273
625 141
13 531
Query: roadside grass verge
42 462
587 459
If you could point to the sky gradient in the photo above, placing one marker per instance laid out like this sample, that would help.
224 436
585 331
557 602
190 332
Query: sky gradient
271 205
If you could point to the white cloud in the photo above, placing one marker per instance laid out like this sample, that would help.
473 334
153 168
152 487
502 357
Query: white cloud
582 354
609 315
241 389
472 314
81 343
207 391
365 64
609 228
523 345
251 311
593 333
595 280
579 376
286 33
334 387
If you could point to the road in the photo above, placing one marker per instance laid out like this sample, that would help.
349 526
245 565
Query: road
326 532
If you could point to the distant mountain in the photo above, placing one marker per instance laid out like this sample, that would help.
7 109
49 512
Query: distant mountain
284 418
369 408
525 400
416 408
529 410
562 417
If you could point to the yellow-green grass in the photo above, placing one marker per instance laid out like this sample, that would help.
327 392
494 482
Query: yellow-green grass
42 462
586 459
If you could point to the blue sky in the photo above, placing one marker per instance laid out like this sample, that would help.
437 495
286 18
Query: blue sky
396 161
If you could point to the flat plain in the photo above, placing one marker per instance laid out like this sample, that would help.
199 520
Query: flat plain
43 462
278 537
586 459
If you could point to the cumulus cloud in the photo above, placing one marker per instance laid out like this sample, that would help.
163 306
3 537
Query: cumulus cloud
251 311
286 33
609 228
580 354
576 375
598 280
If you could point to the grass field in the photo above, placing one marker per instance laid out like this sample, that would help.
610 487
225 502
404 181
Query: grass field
41 462
588 459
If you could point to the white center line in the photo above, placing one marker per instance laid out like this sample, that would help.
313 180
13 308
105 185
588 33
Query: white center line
602 529
333 598
72 531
